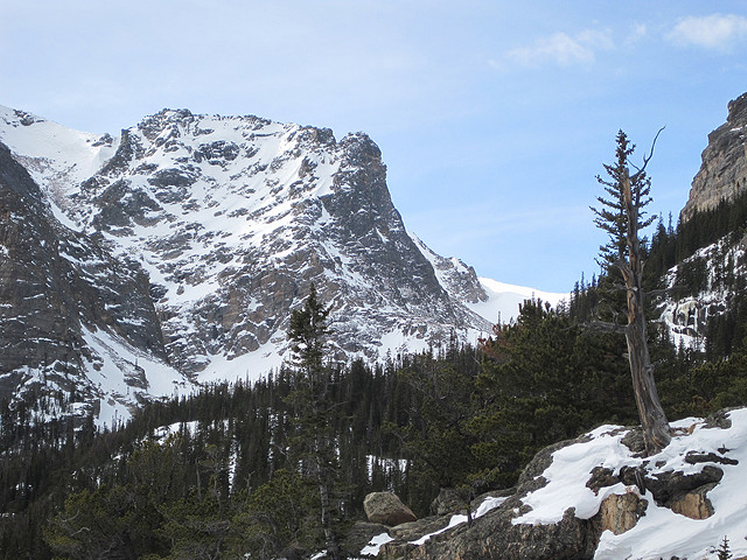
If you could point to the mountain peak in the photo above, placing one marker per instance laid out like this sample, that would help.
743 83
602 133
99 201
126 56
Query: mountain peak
224 222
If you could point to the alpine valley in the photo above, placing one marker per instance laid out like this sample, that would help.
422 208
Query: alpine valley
172 255
219 341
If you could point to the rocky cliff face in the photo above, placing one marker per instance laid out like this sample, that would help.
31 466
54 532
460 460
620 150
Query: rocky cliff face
724 267
723 173
191 238
73 318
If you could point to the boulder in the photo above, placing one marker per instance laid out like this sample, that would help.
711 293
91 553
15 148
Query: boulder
620 512
386 508
448 500
694 504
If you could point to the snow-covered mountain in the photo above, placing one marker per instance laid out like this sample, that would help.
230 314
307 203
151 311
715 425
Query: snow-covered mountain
709 281
225 222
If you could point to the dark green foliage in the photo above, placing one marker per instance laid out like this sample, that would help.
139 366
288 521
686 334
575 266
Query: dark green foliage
437 437
728 219
308 332
691 278
464 417
726 332
313 439
276 514
545 380
723 552
614 213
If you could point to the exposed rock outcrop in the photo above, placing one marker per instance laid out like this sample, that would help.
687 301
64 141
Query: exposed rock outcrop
596 491
694 504
359 535
620 512
494 536
449 500
723 173
219 225
68 310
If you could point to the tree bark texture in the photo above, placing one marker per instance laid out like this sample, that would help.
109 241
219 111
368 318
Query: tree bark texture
653 419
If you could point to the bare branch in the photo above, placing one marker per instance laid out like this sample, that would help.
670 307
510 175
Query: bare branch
647 158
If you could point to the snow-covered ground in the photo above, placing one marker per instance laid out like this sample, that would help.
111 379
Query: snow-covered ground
660 533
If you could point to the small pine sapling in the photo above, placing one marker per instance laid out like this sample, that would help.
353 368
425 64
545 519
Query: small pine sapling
723 552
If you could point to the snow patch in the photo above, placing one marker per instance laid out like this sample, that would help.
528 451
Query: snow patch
502 305
660 533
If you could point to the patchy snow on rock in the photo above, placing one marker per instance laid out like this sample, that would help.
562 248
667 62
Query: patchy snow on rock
120 373
485 506
660 533
686 317
375 544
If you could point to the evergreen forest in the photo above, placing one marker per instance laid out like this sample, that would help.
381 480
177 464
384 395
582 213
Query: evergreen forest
286 461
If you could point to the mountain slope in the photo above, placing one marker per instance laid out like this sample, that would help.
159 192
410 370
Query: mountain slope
708 254
723 173
79 331
230 219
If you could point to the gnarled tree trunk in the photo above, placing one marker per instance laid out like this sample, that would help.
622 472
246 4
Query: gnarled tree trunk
653 419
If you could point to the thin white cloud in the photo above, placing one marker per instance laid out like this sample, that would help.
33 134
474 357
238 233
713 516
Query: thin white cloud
563 49
716 31
638 32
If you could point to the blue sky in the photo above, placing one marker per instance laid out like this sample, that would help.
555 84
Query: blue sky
493 117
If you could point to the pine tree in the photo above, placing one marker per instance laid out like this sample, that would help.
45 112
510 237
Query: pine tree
622 216
311 401
723 551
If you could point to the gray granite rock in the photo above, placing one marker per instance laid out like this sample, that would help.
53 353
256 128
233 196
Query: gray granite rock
723 173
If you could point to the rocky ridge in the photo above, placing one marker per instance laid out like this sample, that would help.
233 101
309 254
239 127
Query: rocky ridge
225 222
71 314
723 173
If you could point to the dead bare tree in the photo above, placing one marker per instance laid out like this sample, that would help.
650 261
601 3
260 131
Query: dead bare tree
622 216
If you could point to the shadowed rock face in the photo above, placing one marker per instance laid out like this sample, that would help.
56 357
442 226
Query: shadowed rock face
723 173
54 284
